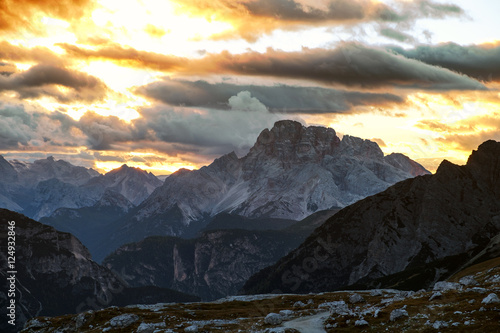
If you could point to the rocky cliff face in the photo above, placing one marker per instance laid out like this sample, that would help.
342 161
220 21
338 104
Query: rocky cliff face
56 275
438 220
212 266
54 269
290 172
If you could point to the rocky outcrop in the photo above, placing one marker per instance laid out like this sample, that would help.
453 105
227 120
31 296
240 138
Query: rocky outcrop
465 309
435 221
212 266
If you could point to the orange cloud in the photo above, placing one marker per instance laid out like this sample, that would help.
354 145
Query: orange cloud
17 15
129 57
37 54
154 31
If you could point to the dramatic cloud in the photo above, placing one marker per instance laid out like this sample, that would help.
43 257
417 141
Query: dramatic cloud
42 80
278 98
19 14
478 61
350 64
213 132
103 132
252 18
38 54
128 57
24 130
171 131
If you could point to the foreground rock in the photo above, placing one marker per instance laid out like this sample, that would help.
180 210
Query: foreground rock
384 310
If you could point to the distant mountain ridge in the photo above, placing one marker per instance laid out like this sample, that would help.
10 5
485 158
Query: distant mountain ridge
414 233
37 189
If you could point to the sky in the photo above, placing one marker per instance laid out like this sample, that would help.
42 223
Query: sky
163 85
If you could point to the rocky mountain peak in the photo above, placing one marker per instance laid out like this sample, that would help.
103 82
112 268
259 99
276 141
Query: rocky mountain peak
360 147
484 164
290 141
487 154
403 162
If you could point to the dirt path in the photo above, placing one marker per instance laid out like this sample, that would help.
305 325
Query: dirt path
309 324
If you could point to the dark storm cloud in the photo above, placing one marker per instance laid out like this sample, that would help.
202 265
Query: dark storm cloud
235 129
279 98
128 57
41 80
478 61
347 10
350 64
104 131
7 69
253 18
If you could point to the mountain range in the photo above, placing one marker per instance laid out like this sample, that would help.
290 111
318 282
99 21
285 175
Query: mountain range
409 236
291 172
388 224
38 189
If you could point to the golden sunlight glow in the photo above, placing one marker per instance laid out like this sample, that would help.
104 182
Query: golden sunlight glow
173 31
155 168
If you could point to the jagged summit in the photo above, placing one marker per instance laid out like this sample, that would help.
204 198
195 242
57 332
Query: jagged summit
291 141
134 184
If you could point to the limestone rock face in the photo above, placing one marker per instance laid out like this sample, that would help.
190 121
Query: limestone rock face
212 266
290 172
435 222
